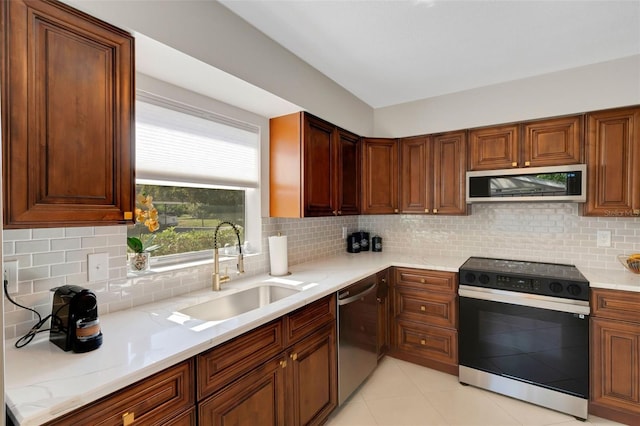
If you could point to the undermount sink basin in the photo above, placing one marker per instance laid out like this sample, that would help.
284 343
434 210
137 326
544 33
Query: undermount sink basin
238 303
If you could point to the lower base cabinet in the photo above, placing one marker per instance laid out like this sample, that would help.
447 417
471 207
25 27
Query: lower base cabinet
615 356
166 398
297 386
424 318
255 399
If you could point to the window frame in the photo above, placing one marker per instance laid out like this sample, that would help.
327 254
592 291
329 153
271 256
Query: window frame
252 214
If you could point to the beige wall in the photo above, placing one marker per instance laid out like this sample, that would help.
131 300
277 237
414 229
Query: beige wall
209 32
600 86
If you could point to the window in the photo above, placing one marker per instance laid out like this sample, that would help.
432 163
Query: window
201 169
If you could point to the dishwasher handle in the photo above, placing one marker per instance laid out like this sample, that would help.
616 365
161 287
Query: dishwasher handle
355 297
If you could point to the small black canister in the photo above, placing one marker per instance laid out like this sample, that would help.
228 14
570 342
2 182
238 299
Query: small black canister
364 240
376 243
353 243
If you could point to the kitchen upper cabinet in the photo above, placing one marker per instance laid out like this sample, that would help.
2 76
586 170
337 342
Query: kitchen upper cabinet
615 355
314 168
613 156
379 176
433 174
549 142
493 148
67 117
449 169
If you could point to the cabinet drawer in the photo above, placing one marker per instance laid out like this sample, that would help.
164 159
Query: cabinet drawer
309 318
427 280
158 400
615 304
428 342
222 364
425 307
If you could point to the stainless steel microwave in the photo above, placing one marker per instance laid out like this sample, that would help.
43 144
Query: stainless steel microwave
556 183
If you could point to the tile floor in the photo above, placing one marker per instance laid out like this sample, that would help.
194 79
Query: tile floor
400 393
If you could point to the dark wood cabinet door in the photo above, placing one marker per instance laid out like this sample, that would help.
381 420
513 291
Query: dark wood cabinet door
494 148
416 175
67 114
257 398
319 168
164 398
613 155
615 370
449 173
379 176
384 308
554 142
312 391
348 182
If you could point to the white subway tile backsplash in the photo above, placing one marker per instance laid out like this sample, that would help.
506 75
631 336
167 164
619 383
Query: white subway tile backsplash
552 232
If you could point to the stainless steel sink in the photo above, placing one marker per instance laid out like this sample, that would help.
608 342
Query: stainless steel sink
226 307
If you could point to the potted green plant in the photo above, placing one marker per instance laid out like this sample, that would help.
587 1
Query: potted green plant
141 247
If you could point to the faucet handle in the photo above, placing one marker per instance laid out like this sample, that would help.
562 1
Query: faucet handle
240 264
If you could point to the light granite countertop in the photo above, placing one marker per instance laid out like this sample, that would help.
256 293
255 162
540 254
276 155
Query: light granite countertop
42 382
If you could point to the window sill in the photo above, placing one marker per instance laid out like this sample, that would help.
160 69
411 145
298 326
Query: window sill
160 268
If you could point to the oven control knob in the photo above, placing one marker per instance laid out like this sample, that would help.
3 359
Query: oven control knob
470 277
555 287
574 290
484 279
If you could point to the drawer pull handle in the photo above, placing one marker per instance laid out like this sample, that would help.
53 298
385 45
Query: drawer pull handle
283 363
423 342
128 419
294 356
423 308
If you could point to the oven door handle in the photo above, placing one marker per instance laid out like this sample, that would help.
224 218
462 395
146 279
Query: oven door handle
580 307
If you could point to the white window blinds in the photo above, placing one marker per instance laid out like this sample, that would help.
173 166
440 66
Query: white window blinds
179 144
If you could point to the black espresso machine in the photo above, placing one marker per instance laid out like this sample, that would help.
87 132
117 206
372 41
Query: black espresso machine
74 319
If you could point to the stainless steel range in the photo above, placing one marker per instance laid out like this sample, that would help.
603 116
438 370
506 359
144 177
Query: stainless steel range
524 331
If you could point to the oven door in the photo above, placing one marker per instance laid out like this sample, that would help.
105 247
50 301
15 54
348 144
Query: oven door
534 339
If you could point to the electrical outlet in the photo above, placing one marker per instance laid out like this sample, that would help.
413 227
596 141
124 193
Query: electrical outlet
344 232
98 267
603 238
11 273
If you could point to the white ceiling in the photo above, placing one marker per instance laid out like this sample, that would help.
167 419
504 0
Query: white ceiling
391 52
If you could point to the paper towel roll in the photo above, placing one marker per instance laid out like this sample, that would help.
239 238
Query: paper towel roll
278 255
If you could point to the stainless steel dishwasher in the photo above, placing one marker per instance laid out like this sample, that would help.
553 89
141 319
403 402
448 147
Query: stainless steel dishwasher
357 335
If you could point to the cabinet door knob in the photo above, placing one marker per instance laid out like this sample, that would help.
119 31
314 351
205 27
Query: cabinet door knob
435 211
128 215
128 418
527 163
422 280
423 342
636 212
423 308
294 356
339 212
514 164
426 210
283 363
335 213
395 210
